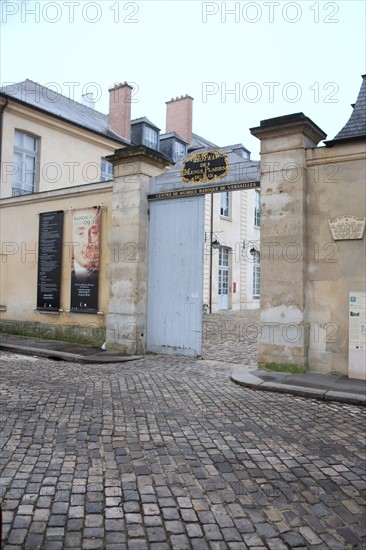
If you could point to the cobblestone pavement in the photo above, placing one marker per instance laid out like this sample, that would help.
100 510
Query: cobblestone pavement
231 336
167 453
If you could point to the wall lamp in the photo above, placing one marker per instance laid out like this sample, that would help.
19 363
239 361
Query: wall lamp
212 236
253 251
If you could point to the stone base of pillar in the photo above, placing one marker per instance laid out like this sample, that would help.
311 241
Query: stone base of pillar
126 333
283 343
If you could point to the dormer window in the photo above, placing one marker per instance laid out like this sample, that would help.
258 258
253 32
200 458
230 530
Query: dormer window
180 149
144 132
151 138
173 146
242 152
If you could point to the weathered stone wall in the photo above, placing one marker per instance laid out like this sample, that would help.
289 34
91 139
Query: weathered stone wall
306 275
336 187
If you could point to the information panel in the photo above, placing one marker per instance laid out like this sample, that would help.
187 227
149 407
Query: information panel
85 260
49 260
357 335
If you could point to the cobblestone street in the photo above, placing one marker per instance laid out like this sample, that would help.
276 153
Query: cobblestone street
168 453
231 336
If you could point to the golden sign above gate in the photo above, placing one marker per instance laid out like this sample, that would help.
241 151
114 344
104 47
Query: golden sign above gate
205 167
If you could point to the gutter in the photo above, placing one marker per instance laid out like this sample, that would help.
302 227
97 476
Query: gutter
63 119
346 139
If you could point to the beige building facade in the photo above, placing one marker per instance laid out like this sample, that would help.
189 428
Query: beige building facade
50 142
236 254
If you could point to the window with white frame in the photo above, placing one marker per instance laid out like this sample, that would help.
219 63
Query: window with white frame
150 137
225 204
106 170
25 163
179 150
257 210
256 275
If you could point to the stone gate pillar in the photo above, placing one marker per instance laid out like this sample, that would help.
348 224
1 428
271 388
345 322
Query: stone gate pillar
284 141
127 274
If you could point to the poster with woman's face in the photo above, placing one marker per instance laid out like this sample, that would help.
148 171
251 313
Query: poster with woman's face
85 259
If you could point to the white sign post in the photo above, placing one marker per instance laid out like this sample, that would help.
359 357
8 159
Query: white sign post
357 336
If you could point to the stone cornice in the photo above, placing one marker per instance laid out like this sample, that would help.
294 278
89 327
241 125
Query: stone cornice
140 153
65 193
340 152
336 158
286 125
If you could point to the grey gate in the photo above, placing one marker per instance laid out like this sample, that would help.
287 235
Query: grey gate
176 244
175 283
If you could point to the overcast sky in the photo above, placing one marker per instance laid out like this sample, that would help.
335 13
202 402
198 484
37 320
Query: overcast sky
242 62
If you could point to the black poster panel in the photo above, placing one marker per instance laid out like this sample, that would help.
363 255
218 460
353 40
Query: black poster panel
49 260
85 260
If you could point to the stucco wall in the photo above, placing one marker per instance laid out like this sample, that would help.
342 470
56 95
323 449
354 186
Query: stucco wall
336 187
19 219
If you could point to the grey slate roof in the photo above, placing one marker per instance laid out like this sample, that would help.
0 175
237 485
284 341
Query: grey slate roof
356 125
172 134
199 142
60 106
144 119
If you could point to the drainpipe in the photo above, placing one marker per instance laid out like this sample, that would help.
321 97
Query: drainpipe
211 237
3 104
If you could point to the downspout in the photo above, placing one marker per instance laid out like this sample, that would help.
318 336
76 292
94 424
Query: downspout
211 237
3 105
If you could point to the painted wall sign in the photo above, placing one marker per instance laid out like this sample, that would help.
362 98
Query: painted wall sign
205 167
347 227
49 260
85 260
202 190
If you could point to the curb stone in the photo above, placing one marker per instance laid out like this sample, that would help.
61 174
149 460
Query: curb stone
250 380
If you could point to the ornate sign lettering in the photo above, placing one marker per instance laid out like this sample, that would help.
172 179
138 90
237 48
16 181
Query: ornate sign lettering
203 190
347 227
205 167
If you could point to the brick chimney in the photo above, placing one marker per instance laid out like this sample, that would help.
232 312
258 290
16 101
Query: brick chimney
119 118
179 117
